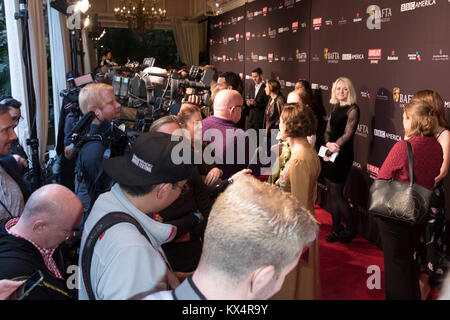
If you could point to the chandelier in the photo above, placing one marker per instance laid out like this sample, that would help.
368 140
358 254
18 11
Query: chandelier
140 15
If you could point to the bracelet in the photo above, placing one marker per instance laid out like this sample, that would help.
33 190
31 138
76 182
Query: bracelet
72 148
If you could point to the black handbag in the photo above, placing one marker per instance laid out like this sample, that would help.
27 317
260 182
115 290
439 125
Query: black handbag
402 201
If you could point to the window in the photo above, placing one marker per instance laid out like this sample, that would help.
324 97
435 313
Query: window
124 44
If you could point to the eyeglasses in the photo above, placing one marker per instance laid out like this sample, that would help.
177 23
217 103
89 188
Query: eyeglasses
239 106
183 188
16 119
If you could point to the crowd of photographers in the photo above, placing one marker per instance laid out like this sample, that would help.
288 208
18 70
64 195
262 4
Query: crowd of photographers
124 218
134 222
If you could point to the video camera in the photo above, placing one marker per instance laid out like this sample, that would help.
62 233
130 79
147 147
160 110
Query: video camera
114 134
72 94
153 91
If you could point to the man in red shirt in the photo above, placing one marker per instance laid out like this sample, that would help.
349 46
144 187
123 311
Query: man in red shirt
31 242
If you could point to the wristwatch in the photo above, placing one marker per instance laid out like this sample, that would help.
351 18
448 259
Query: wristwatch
230 181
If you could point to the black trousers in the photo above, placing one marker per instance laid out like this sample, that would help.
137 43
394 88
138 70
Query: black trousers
400 242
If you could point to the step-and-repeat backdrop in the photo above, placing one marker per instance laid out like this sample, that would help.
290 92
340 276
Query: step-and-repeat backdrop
390 49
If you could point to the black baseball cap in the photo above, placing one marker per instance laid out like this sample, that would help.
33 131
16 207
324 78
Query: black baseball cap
150 162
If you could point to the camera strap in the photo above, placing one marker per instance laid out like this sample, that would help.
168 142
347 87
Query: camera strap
97 231
6 209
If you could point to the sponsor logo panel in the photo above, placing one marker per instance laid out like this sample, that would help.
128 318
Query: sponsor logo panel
386 135
372 170
374 55
377 16
362 131
413 5
440 56
317 23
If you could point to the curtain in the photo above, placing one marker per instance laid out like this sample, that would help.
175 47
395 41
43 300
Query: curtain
40 71
17 68
58 51
186 36
65 35
203 36
88 49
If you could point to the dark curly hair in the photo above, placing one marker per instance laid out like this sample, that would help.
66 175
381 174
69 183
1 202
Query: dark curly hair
299 120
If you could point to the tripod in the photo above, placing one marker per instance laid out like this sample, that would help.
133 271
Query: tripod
33 141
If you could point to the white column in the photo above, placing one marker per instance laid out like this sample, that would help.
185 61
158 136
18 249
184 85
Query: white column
87 52
17 69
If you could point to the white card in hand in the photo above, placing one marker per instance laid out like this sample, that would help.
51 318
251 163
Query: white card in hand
323 150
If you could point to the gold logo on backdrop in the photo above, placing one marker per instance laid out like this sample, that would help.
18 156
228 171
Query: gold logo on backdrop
396 94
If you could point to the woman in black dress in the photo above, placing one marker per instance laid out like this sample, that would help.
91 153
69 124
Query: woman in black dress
341 128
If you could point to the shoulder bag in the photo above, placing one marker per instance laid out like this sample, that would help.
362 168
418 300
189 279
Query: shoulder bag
401 201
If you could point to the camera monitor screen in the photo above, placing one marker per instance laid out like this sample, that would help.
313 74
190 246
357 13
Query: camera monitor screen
148 62
81 81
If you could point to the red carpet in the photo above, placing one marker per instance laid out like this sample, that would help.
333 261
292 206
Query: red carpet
343 267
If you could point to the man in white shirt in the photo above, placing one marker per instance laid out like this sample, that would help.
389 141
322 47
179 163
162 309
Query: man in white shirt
257 100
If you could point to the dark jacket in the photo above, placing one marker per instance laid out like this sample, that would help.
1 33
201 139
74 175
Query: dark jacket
12 168
91 180
184 256
273 111
256 113
20 259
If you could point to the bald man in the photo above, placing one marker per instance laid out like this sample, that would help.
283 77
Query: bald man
293 97
221 130
31 242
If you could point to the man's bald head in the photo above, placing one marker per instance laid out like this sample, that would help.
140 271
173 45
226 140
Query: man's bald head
50 215
228 105
293 97
52 199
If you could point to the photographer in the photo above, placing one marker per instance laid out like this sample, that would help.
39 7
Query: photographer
16 149
13 190
90 180
202 97
107 60
65 149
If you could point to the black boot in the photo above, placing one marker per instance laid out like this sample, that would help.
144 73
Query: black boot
346 236
335 235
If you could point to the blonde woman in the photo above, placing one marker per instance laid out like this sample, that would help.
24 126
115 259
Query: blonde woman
341 128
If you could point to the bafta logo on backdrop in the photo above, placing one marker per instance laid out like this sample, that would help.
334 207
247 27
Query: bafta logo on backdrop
377 16
396 94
